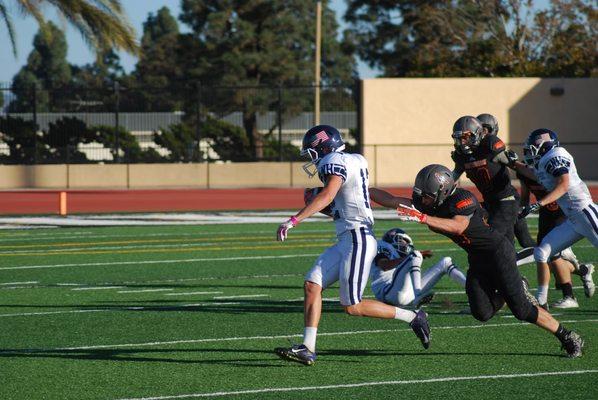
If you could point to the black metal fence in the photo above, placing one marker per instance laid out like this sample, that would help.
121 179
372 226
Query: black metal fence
186 122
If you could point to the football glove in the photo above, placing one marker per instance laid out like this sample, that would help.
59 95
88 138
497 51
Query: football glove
283 229
407 213
511 156
530 208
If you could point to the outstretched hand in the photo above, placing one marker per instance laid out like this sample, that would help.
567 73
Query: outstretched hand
407 213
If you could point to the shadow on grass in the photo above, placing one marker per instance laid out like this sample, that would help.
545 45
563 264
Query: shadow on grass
266 358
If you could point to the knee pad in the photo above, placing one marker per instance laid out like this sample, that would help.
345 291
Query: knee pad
542 253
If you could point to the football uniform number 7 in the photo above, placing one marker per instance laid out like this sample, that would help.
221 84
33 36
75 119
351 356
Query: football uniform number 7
480 176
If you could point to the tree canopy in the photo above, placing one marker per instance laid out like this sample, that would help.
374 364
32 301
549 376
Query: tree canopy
475 38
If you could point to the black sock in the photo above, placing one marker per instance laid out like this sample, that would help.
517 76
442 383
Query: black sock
558 286
567 289
561 333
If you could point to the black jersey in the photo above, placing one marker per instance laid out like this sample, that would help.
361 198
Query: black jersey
540 192
479 236
491 178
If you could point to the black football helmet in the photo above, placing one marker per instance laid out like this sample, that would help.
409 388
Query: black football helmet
433 185
489 122
538 143
467 134
317 143
400 241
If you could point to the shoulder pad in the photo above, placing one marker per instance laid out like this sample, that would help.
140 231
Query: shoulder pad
333 164
462 202
495 145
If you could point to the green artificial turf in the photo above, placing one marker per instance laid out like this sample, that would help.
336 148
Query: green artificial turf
144 312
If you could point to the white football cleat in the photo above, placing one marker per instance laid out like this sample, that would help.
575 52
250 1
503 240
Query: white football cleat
566 302
588 282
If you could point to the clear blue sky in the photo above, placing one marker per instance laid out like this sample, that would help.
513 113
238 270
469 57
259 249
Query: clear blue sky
79 53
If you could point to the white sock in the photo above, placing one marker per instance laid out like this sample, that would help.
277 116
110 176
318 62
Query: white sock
542 294
309 337
404 315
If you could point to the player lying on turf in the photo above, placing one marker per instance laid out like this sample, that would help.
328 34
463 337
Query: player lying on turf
396 277
345 179
493 277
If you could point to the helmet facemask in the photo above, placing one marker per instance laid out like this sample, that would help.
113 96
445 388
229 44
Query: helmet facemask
536 148
465 141
400 241
315 155
311 167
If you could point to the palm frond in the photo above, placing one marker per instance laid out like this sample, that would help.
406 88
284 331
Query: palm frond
101 23
9 27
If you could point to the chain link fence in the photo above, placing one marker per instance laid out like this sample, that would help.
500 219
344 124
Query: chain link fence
185 122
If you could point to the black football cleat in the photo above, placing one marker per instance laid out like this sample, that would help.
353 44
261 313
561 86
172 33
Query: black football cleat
572 344
298 353
421 328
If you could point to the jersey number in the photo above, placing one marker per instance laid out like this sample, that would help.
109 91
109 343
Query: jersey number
364 186
480 176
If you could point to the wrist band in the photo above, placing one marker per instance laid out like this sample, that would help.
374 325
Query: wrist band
294 221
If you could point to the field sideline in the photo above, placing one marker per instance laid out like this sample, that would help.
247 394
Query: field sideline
184 311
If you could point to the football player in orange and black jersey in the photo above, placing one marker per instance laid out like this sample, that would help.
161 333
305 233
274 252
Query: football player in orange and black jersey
482 159
493 277
490 126
563 264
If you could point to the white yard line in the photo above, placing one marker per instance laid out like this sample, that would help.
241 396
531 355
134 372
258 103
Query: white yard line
98 288
377 383
144 290
190 293
275 337
18 283
240 296
188 260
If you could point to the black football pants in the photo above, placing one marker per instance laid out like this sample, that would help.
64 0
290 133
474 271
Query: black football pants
492 280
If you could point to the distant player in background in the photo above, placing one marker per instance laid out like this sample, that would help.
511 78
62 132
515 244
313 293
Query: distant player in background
553 167
396 276
482 157
521 230
493 277
345 179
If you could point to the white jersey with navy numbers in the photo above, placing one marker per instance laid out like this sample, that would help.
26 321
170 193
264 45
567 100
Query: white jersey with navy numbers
351 208
555 163
380 279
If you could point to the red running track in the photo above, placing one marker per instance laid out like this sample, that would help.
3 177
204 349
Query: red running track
104 201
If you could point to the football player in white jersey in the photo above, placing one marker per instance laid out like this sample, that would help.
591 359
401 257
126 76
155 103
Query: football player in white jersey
554 168
345 179
396 276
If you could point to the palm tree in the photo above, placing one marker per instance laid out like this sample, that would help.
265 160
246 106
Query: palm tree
102 23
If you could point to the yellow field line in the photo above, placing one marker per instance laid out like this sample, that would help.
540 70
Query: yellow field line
120 242
273 246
